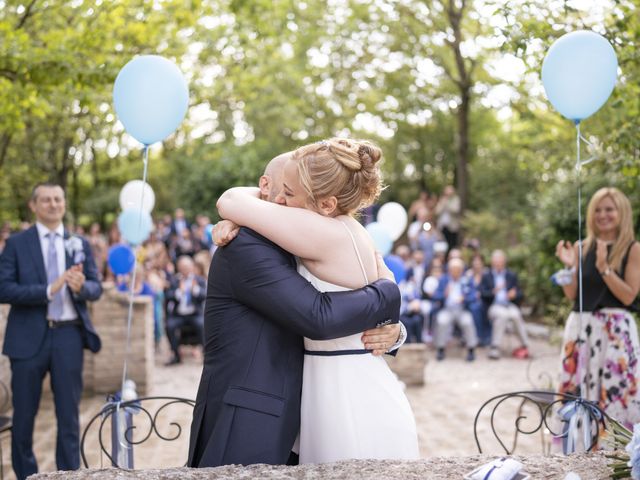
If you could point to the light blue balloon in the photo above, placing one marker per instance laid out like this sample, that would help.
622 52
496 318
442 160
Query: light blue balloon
151 97
135 225
579 73
381 237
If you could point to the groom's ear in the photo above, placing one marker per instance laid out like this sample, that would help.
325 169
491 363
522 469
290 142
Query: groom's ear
265 185
328 206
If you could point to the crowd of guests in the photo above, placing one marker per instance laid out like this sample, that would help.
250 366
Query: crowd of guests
447 290
173 265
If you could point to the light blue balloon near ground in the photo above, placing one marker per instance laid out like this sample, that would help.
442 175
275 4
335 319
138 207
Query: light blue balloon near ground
135 225
396 265
121 259
381 237
151 97
579 73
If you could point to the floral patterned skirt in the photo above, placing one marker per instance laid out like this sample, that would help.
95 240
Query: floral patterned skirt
600 361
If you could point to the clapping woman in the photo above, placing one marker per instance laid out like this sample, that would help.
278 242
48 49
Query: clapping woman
600 347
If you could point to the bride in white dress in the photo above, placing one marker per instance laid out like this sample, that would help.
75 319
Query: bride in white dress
353 406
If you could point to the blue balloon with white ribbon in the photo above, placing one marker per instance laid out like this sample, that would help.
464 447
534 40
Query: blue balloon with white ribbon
121 259
381 237
135 225
579 74
396 265
151 98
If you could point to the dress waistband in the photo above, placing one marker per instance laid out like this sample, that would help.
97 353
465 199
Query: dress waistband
335 353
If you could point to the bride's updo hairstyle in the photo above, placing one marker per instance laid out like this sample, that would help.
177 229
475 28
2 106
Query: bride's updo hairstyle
343 168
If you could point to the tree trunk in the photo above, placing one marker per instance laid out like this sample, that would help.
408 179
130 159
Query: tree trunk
464 82
462 162
6 140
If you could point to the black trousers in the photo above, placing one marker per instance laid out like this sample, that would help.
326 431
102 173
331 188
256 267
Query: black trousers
176 324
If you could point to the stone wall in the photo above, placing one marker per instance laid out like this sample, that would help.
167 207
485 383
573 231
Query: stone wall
103 371
587 466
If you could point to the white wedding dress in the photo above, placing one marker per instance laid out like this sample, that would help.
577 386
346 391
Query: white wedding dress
353 405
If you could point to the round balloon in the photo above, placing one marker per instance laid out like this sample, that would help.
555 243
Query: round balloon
381 237
393 216
137 191
121 259
135 225
151 97
579 73
396 265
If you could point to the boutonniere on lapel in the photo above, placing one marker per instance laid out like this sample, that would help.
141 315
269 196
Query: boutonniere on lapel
74 248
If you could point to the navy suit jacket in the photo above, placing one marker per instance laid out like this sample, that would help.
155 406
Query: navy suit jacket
468 291
257 310
487 285
197 300
23 284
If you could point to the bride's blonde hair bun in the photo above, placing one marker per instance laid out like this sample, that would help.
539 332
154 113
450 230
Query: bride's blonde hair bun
345 168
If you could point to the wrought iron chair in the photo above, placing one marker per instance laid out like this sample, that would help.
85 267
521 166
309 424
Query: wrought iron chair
5 420
544 403
149 412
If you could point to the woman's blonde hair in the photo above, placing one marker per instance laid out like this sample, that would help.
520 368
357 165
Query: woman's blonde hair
625 235
343 168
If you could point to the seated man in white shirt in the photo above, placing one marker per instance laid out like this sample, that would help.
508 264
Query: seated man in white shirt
501 294
455 292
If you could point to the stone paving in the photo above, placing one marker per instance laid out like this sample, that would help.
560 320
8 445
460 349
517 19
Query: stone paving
444 407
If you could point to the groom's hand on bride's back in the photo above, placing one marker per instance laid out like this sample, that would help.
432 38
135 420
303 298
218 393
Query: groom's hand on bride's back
382 339
223 232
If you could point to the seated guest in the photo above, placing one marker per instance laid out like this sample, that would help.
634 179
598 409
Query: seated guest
455 293
501 294
429 307
179 223
404 252
416 268
185 304
123 283
411 310
477 307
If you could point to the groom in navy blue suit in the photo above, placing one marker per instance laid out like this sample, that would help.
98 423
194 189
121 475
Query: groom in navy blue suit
258 308
47 277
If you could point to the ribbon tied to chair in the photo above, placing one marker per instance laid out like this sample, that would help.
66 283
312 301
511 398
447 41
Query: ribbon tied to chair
578 415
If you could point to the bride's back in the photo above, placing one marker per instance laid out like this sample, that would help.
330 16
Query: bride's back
344 265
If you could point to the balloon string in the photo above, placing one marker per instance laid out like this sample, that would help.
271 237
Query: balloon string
581 358
145 161
579 170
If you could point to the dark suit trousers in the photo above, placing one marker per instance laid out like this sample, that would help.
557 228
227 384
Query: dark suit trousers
61 355
174 326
